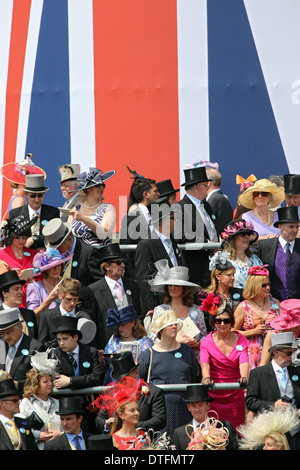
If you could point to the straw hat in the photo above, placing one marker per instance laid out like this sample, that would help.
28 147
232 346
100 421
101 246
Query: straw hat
277 193
166 318
175 276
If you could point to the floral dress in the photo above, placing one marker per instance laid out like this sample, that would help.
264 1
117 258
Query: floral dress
252 320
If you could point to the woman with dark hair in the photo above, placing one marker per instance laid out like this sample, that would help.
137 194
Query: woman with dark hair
224 359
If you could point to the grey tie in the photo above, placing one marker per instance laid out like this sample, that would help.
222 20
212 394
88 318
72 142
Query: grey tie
170 251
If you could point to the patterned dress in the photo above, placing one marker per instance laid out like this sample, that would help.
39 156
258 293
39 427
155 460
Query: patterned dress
252 320
131 443
80 230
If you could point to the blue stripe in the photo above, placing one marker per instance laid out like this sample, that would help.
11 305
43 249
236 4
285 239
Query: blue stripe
244 138
49 120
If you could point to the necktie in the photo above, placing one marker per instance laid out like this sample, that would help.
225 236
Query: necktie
10 356
119 291
35 228
288 251
212 233
72 360
13 428
283 378
170 251
77 443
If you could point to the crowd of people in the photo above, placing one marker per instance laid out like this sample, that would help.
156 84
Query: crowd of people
191 335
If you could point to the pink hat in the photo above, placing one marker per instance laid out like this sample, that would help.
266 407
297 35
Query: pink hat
289 315
45 260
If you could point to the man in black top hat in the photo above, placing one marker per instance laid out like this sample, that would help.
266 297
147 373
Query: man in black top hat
198 403
74 437
15 432
282 255
194 223
166 190
16 347
35 191
11 295
113 290
222 212
292 190
151 402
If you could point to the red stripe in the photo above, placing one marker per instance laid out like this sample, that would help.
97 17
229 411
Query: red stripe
136 91
19 30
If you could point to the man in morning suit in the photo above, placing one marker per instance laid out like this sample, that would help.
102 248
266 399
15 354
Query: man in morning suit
276 383
68 183
193 224
113 290
161 245
222 211
198 403
152 404
282 255
35 191
15 432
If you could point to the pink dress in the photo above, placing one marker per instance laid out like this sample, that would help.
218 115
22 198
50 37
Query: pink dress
133 443
228 404
251 320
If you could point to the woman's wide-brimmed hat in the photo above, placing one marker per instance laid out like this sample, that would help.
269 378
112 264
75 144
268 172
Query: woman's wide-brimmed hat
289 315
164 319
45 260
287 215
19 225
93 178
120 317
237 227
175 276
15 172
265 185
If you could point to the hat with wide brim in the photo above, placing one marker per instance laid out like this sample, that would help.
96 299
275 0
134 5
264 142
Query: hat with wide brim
277 193
56 232
19 225
120 317
9 317
69 172
45 260
236 227
66 323
289 315
166 276
287 215
93 178
197 393
164 319
35 184
195 175
122 363
282 341
15 172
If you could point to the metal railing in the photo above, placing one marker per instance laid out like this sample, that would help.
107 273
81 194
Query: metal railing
182 247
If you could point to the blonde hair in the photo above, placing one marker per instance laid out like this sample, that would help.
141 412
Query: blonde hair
213 278
68 284
229 246
252 286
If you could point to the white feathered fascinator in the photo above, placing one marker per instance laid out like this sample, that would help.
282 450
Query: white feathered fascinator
44 364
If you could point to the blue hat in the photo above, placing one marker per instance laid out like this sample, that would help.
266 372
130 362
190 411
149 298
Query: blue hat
120 317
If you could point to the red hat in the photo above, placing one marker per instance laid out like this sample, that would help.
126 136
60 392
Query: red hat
16 171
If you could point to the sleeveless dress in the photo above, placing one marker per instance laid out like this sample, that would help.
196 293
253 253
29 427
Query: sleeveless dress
80 230
251 320
131 443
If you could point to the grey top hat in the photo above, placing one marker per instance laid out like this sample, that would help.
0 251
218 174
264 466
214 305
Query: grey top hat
282 340
55 232
166 276
8 318
35 184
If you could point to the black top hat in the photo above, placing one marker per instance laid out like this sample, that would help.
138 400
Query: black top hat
8 388
9 279
286 215
195 393
165 188
123 363
70 405
291 184
110 252
195 175
64 323
101 442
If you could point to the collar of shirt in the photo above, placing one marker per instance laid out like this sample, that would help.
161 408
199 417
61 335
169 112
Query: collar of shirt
162 236
283 243
75 351
112 282
276 367
72 436
64 312
194 200
145 211
32 212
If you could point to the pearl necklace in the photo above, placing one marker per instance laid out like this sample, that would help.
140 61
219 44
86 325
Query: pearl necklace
91 207
243 264
269 217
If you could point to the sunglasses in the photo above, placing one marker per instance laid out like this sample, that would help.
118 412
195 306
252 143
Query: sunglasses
118 262
262 193
34 196
287 353
226 321
266 284
246 233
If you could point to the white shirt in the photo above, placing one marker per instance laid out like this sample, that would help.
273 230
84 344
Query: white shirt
283 243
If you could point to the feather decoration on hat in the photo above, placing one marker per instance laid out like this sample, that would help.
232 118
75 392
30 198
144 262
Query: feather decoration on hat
134 173
43 363
211 303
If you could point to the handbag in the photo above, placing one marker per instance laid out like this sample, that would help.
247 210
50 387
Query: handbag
34 421
150 364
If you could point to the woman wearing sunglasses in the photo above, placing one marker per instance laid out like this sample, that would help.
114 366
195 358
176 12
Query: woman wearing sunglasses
253 316
261 198
237 238
224 359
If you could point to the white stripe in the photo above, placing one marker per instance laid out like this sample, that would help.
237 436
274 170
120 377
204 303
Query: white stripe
275 28
28 74
6 7
192 82
81 60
